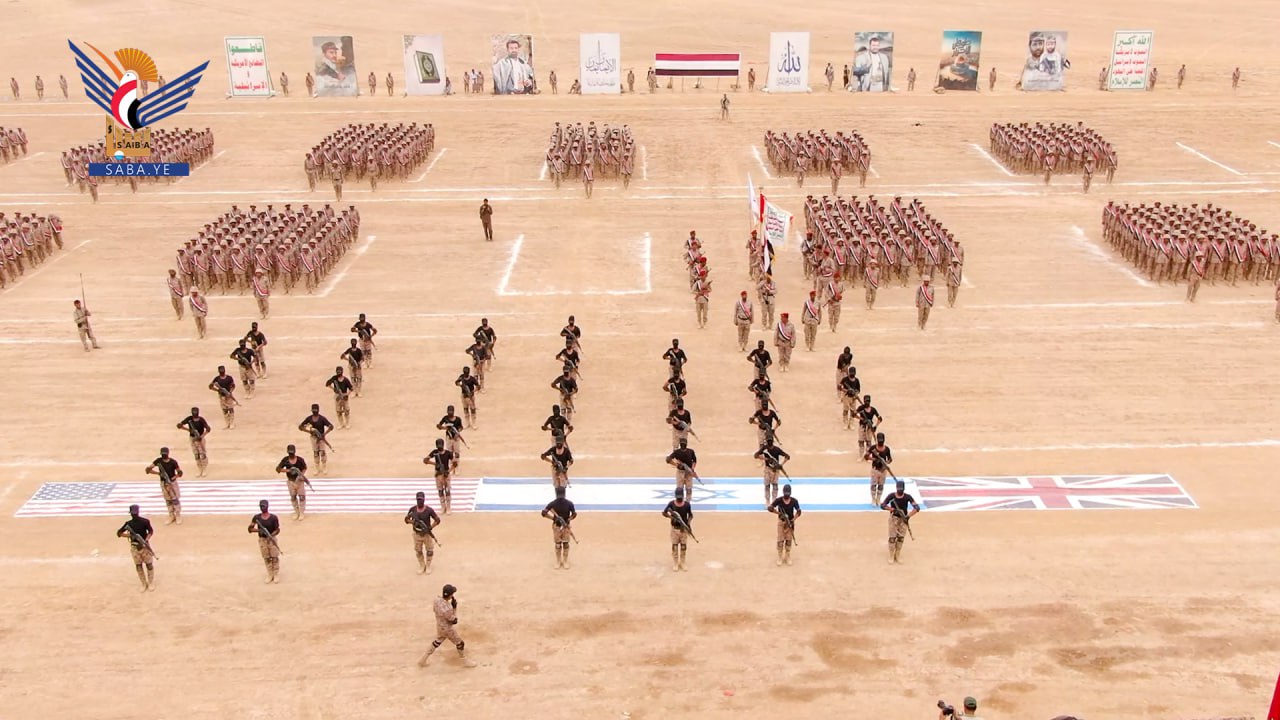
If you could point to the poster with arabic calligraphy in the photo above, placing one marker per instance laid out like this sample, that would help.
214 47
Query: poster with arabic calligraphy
599 63
959 61
247 67
424 68
872 62
1130 60
788 62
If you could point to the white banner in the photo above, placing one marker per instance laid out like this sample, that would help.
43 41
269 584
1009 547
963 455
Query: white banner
1130 60
788 62
247 67
424 64
776 223
599 63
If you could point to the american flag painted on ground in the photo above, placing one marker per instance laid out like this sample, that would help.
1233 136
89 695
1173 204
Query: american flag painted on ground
230 497
1053 492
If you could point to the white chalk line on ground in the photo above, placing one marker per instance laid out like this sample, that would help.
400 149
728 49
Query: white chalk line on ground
542 174
474 457
646 260
995 162
1021 330
1206 158
32 273
763 168
644 163
432 164
1273 142
355 255
1081 239
32 156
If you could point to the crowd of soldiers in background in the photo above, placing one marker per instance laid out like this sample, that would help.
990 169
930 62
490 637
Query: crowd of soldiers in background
378 152
576 152
1041 149
26 241
193 147
1177 242
13 144
699 282
819 152
848 239
288 246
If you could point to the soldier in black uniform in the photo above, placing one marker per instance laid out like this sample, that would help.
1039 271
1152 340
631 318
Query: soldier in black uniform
139 531
881 457
355 360
561 512
676 389
444 464
568 387
761 388
850 388
676 358
761 359
365 331
868 421
479 359
899 517
560 458
451 424
685 461
267 526
258 343
317 426
569 356
169 472
842 368
681 422
787 509
342 388
225 386
423 519
197 427
574 333
295 473
773 458
488 337
558 424
245 358
468 384
681 515
767 423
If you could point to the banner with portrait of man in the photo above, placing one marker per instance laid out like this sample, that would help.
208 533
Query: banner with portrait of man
959 61
335 66
872 62
1046 61
599 63
788 62
424 64
513 65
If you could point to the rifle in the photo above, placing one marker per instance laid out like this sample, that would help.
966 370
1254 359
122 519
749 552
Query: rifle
320 437
141 541
684 525
83 302
424 529
562 523
264 533
225 392
164 476
790 522
453 432
773 464
681 425
689 469
906 520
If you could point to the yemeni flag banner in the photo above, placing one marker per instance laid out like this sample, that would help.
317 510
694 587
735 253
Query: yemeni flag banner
697 64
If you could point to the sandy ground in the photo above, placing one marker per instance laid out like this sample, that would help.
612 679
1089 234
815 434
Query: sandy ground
1058 360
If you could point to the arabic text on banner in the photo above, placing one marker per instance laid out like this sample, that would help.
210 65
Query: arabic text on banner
247 70
1130 60
788 62
600 63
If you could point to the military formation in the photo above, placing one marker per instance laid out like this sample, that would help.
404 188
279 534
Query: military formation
257 251
13 144
1192 244
193 147
580 152
369 151
819 152
699 277
27 240
1053 149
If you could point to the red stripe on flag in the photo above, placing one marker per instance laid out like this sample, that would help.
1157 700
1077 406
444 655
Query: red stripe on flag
697 57
1274 713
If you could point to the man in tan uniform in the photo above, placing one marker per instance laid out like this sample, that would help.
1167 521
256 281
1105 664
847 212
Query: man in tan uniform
445 608
954 278
811 318
1195 276
872 278
85 329
199 311
784 338
177 292
262 293
743 316
924 301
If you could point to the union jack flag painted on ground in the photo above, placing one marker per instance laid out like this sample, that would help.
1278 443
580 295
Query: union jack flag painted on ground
1053 492
230 497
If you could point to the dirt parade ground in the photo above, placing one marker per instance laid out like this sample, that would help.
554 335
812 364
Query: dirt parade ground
1092 451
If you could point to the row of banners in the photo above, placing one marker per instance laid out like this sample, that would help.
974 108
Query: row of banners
599 65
